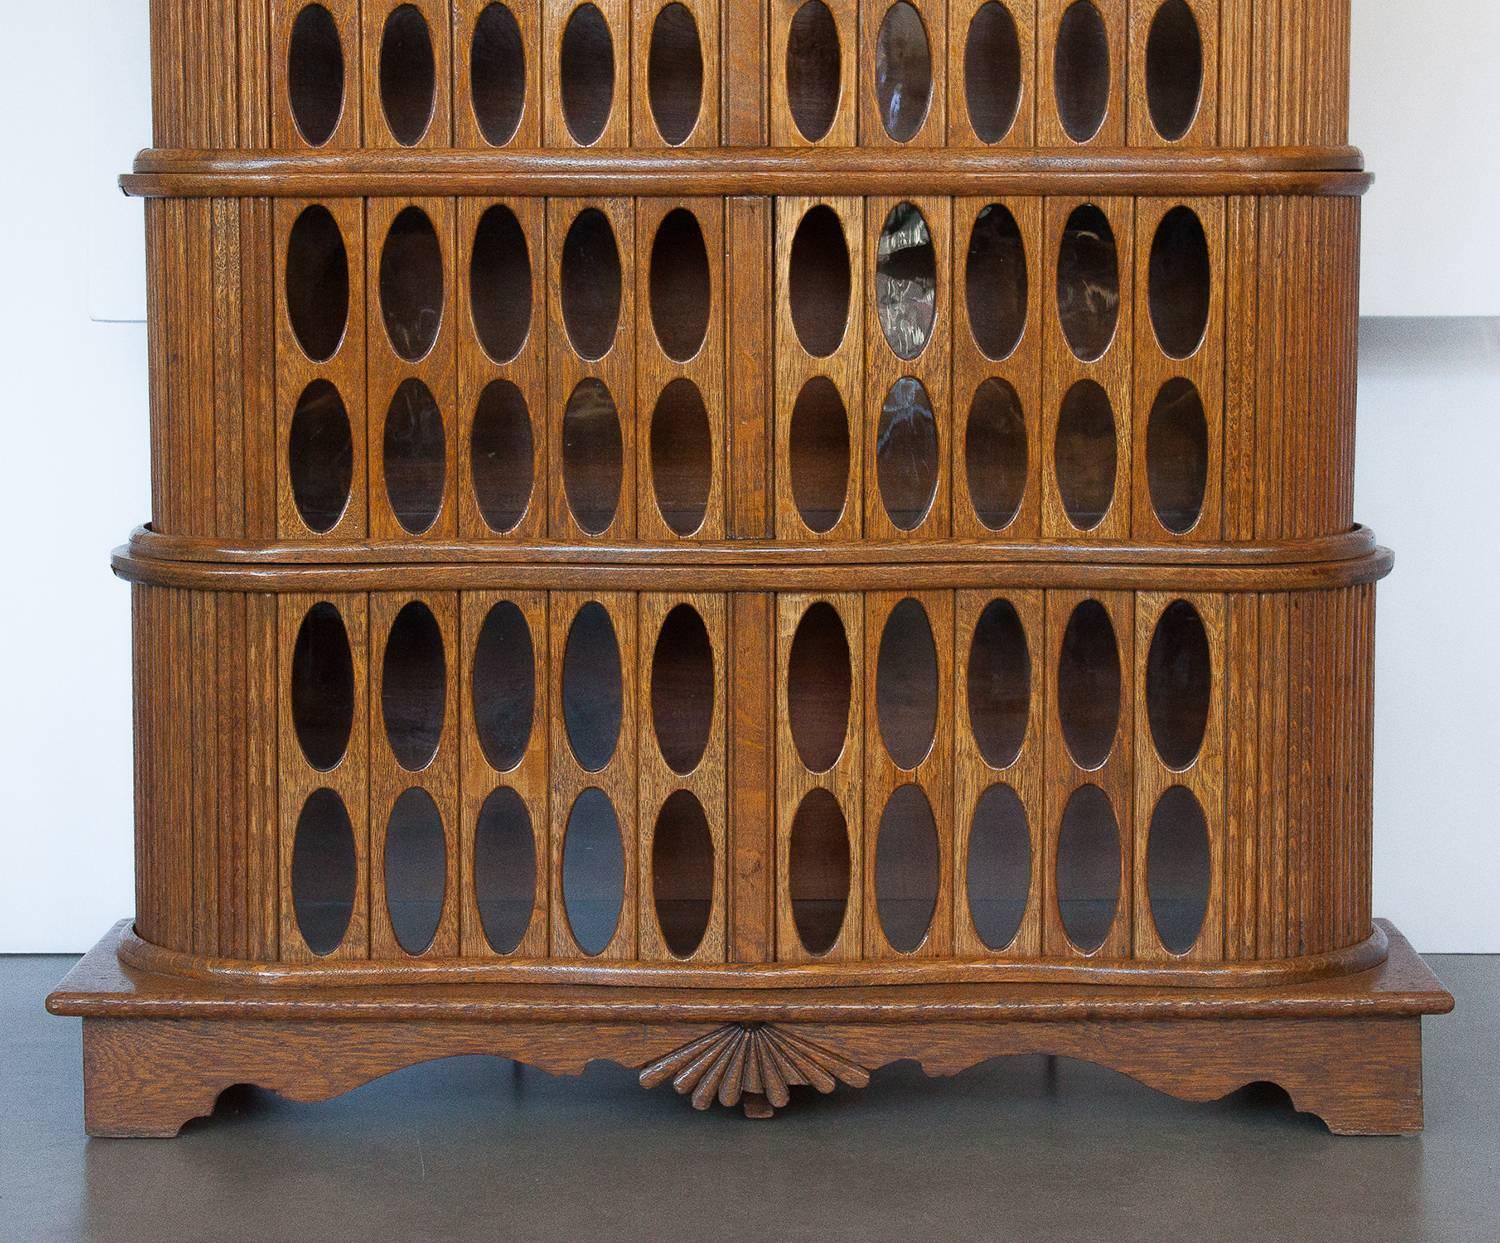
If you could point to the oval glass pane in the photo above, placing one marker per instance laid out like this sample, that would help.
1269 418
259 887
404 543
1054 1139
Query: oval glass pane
317 284
1178 870
414 687
674 74
1081 71
497 74
591 284
408 75
1088 685
416 871
504 870
819 690
593 688
1087 455
682 689
1174 70
593 457
411 285
903 72
1181 283
1179 685
323 687
1088 868
500 284
999 871
906 281
907 454
416 457
818 862
814 69
1177 456
906 869
587 74
681 457
681 292
682 873
325 875
820 282
906 686
315 75
996 283
819 450
999 684
1088 283
504 687
320 457
593 879
996 456
502 456
992 72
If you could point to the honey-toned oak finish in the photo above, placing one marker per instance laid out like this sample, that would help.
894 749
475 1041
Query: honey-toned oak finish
753 539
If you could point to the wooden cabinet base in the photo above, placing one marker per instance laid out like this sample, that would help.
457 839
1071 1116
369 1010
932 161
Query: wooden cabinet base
159 1050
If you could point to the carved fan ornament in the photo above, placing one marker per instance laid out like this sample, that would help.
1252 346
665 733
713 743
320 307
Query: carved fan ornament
754 1065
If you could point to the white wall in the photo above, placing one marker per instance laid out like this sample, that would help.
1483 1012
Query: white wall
75 470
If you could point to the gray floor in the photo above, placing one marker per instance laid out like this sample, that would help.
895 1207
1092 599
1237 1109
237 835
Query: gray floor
1016 1150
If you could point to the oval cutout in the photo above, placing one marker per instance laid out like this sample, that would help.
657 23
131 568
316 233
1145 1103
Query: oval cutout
1089 686
593 688
504 687
814 70
591 285
1088 869
1081 71
819 687
408 75
1181 283
315 75
415 457
500 284
907 454
906 686
992 72
907 861
820 285
999 867
1179 685
674 74
497 74
681 457
903 72
999 684
682 689
317 284
322 680
1087 455
502 456
996 283
682 873
416 871
819 872
906 281
414 687
996 456
411 285
586 67
593 879
320 457
1177 456
1088 283
504 870
681 289
1178 870
593 457
325 872
1174 70
819 451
